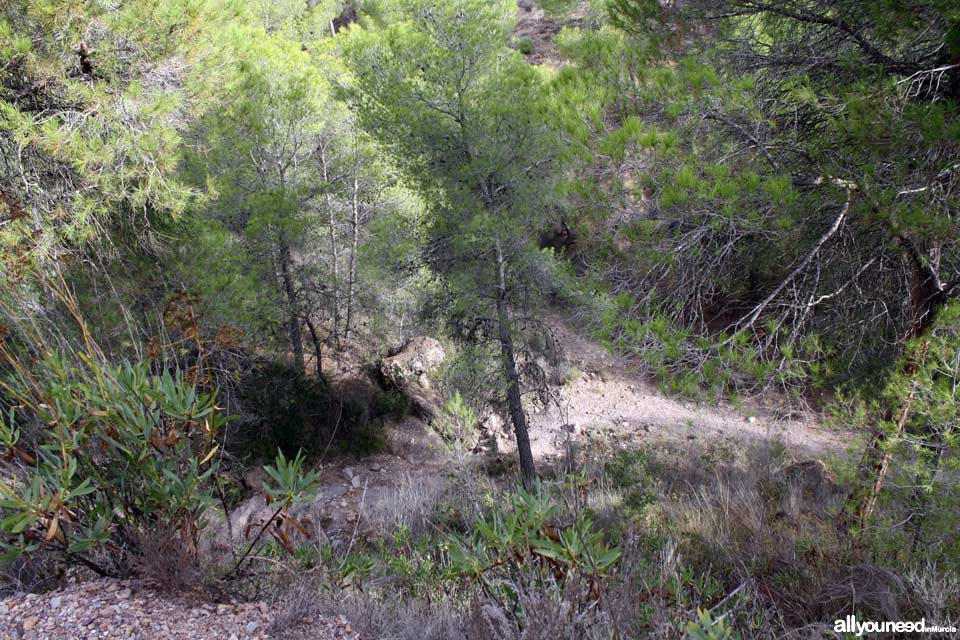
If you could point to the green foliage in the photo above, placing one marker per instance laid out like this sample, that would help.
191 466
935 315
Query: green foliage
289 411
709 224
524 46
113 94
527 531
706 628
457 424
120 451
290 485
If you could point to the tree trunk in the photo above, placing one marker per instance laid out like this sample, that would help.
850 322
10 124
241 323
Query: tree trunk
528 472
317 347
926 298
875 463
334 248
352 267
289 289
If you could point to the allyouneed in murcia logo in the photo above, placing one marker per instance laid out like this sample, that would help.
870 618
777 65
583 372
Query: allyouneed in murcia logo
850 624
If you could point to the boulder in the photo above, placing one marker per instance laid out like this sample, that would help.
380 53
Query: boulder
495 436
409 366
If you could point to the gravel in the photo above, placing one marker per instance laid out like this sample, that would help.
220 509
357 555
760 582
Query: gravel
125 609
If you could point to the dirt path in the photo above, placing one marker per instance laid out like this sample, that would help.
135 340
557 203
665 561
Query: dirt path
607 399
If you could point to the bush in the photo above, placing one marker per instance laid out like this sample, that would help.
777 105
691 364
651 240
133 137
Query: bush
285 409
524 45
105 453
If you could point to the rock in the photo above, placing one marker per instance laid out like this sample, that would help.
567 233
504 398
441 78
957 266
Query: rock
125 594
29 623
355 482
245 517
492 423
55 602
751 419
496 436
252 626
253 480
410 365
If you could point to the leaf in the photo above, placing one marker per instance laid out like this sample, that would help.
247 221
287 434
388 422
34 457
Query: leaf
207 457
52 529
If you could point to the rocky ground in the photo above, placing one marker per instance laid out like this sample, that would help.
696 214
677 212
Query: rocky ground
114 609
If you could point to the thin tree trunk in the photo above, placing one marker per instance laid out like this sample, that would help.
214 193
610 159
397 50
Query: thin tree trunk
289 289
334 248
317 347
926 298
352 268
528 472
875 463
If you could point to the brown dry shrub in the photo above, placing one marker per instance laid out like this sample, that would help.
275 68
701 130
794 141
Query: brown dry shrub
168 562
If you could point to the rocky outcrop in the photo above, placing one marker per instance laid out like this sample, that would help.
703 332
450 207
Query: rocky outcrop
413 362
408 370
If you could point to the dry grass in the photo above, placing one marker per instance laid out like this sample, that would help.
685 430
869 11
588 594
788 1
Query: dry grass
167 563
747 534
409 505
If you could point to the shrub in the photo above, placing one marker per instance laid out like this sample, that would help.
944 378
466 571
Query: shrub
526 538
456 424
284 409
524 45
110 451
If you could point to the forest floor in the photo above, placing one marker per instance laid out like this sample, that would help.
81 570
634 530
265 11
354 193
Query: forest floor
604 406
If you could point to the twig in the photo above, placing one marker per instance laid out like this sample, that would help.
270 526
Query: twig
266 524
356 525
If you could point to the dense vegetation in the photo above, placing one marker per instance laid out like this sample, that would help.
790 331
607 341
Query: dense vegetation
217 216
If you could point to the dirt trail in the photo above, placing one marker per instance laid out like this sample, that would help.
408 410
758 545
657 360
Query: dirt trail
608 400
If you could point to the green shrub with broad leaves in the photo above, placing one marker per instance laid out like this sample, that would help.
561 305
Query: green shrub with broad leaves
527 538
98 453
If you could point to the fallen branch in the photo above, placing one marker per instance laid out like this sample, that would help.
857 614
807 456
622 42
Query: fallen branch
750 319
